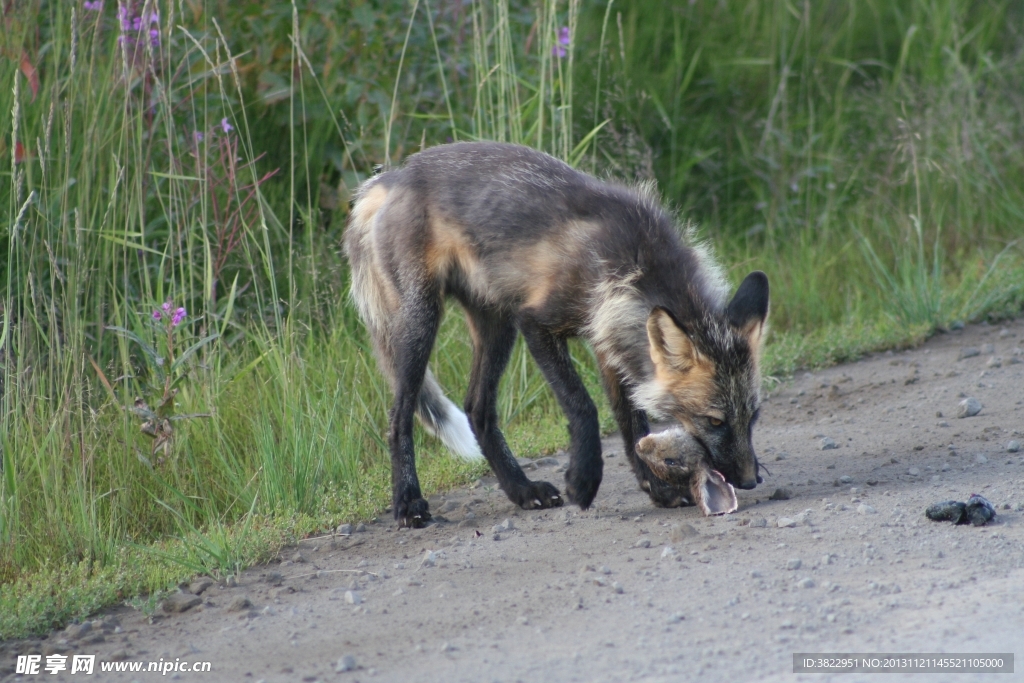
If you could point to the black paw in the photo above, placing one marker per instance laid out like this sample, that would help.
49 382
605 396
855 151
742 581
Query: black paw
539 495
664 495
414 513
581 484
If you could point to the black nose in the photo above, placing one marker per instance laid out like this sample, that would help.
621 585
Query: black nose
747 485
760 480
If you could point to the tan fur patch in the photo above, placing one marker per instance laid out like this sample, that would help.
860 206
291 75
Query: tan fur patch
448 250
692 388
543 261
368 205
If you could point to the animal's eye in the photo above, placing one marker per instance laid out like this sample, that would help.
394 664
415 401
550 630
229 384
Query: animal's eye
715 422
671 462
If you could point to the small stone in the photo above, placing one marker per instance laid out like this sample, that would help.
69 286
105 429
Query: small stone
667 551
681 531
865 509
988 349
994 362
786 522
199 586
980 459
239 603
676 618
1013 446
846 479
274 578
782 456
781 494
429 559
298 558
180 602
806 583
346 663
504 526
344 530
360 528
914 472
353 598
76 631
969 407
956 325
643 543
794 564
758 523
617 587
828 444
969 352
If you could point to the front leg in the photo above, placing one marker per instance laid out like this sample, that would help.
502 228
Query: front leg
634 426
583 477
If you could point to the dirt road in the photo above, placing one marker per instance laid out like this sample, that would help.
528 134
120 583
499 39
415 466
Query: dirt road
626 591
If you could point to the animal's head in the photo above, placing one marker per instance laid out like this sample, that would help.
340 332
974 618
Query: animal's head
706 376
675 457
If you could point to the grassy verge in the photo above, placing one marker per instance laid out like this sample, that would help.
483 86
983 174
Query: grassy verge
150 161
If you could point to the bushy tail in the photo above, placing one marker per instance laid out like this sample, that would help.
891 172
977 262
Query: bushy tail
443 419
374 297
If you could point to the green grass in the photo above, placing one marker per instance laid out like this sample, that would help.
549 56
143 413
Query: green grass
867 156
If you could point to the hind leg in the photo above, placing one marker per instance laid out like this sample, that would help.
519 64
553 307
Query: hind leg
494 336
586 467
414 330
634 426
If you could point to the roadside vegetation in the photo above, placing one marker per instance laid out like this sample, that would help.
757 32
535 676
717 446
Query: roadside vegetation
184 385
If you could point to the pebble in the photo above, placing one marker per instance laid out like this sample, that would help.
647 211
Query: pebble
804 518
865 509
846 479
180 602
794 563
1013 446
76 631
504 526
643 543
617 587
346 663
806 583
360 528
298 558
273 578
344 529
786 522
676 618
758 523
429 559
199 586
239 603
681 531
781 494
914 472
782 456
969 407
353 598
969 352
828 444
668 551
994 362
980 459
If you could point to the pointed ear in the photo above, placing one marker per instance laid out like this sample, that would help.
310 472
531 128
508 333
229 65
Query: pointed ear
671 348
748 310
713 493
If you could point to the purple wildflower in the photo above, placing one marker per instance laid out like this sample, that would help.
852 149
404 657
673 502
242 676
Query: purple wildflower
558 49
225 126
179 315
197 137
96 6
154 37
125 18
167 307
156 314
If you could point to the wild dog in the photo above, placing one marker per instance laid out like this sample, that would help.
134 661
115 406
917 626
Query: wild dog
528 245
675 457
